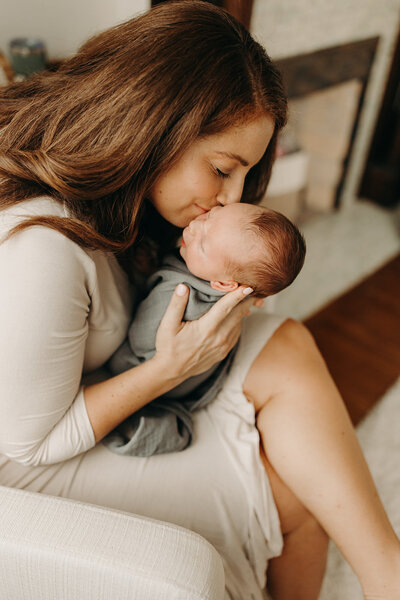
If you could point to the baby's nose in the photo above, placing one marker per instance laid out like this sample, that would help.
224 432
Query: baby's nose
191 228
198 221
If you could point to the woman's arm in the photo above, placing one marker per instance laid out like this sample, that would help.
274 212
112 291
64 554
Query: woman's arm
45 298
183 349
45 301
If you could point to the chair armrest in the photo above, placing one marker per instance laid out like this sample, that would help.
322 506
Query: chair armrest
56 548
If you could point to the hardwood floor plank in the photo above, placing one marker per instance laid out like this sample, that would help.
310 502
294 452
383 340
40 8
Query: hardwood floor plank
359 337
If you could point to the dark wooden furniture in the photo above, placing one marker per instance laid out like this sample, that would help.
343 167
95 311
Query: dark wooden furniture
241 9
381 180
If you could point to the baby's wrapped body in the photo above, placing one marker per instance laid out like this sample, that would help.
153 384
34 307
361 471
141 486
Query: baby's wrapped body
165 425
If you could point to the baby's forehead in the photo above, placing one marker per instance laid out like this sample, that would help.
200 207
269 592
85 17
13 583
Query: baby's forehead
243 215
247 210
241 238
240 213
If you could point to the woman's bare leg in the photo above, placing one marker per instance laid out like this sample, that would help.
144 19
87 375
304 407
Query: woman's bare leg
310 442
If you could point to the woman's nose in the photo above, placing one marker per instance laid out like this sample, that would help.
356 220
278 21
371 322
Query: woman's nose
231 192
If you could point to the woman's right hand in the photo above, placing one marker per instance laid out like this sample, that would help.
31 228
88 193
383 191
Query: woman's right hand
188 348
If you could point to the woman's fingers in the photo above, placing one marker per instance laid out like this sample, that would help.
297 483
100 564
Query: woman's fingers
223 308
172 319
192 347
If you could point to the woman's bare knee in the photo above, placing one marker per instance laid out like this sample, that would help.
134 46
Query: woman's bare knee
291 345
289 362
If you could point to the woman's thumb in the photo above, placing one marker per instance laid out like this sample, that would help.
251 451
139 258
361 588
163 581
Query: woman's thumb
173 316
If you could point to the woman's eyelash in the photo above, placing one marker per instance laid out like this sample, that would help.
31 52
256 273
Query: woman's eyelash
221 174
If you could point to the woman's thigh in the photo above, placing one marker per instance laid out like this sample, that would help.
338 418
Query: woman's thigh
173 487
266 379
199 489
217 487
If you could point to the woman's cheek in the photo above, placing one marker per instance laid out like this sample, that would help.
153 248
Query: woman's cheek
207 185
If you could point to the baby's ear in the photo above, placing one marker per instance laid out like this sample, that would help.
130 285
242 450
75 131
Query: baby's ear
224 286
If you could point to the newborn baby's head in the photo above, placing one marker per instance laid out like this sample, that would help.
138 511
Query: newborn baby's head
243 244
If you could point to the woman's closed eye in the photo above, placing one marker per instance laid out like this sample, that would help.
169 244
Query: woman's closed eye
222 174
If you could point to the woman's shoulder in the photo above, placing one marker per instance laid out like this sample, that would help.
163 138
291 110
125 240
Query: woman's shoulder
39 246
39 206
13 215
48 255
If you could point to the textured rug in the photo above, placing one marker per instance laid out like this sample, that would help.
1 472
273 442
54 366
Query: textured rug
379 435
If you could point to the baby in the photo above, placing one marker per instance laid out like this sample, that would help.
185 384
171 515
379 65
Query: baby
238 244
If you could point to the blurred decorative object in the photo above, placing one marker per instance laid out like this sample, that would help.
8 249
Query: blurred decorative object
287 141
326 90
27 55
289 173
289 178
6 72
312 150
324 124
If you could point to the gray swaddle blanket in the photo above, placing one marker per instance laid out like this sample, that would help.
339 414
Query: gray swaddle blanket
165 425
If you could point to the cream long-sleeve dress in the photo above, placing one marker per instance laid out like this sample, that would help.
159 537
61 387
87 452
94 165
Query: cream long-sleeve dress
63 312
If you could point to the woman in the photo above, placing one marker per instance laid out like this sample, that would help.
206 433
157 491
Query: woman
151 124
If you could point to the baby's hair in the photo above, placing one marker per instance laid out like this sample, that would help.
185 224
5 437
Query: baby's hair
282 258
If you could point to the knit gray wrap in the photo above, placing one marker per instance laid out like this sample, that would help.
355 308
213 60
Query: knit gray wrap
165 425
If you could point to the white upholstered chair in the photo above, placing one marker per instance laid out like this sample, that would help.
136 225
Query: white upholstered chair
57 549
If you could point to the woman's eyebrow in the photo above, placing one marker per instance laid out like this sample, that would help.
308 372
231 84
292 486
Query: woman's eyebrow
235 156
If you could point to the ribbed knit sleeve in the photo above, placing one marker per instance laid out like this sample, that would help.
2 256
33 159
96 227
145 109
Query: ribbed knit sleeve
45 300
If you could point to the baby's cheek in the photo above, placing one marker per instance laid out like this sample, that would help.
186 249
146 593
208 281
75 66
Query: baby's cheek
193 263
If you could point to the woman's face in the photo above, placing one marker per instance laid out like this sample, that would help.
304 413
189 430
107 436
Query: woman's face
211 172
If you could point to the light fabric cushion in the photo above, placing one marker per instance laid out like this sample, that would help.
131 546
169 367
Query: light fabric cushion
53 548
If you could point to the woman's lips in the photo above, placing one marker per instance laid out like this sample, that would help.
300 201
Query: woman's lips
203 210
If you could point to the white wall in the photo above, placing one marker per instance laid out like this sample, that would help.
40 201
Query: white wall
62 24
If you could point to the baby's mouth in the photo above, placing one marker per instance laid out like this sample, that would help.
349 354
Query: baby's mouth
183 242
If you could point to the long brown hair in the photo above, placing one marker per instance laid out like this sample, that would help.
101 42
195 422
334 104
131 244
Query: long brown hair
98 132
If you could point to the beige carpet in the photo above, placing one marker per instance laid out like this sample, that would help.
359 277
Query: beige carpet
379 435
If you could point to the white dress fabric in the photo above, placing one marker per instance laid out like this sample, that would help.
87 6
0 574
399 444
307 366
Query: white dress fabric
217 487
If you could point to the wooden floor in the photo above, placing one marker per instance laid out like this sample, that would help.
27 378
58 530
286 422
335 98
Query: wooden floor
359 337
